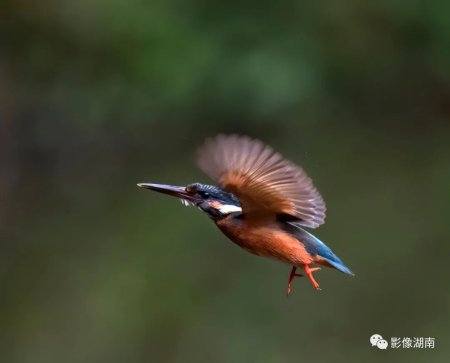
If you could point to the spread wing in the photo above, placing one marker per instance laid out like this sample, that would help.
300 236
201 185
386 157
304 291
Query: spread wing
264 182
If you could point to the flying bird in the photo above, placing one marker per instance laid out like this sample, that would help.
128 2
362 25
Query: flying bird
262 203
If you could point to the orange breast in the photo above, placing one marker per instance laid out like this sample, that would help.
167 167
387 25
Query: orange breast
266 239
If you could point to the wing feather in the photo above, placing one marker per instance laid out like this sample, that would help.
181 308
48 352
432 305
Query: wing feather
261 178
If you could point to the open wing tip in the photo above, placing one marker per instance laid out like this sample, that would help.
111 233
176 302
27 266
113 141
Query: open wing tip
312 225
264 173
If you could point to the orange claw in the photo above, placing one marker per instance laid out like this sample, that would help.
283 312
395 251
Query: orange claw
291 277
309 272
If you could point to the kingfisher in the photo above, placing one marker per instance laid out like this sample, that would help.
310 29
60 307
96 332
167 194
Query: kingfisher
262 203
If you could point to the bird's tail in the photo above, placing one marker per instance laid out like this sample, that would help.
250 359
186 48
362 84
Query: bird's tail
328 257
337 264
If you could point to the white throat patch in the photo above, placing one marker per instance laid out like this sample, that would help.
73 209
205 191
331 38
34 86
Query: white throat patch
229 208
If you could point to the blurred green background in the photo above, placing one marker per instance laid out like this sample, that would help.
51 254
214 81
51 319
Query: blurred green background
97 95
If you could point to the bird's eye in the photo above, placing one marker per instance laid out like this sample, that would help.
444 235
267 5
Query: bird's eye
204 195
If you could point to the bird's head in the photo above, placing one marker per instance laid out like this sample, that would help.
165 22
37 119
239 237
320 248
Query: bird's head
214 201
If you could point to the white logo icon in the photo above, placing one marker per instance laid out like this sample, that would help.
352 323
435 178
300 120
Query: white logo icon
382 344
378 341
375 338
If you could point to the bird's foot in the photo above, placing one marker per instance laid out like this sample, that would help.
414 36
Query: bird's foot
309 272
291 277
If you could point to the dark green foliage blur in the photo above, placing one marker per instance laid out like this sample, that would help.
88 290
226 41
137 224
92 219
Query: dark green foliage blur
97 95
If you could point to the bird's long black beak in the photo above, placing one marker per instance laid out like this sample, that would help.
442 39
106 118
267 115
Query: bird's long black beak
175 191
